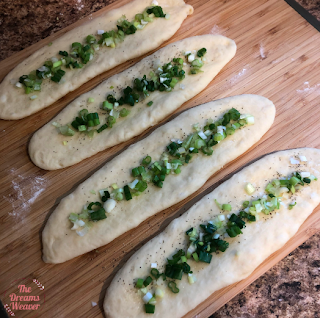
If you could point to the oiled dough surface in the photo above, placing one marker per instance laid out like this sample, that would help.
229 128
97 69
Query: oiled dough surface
46 147
15 104
246 252
60 243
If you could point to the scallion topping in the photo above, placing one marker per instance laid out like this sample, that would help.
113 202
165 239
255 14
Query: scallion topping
292 205
81 54
149 308
165 80
172 161
202 52
139 283
173 287
249 188
146 161
127 193
205 242
147 281
155 273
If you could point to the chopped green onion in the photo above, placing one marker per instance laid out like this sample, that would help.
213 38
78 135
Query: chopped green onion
150 103
249 188
82 127
183 259
90 100
292 205
124 112
149 308
105 196
152 301
119 196
233 231
139 283
144 290
146 161
138 171
245 204
195 257
199 143
218 204
107 106
66 131
155 273
98 204
147 281
91 39
226 207
205 257
202 52
98 215
55 124
207 150
159 292
157 11
191 279
249 217
230 131
141 186
56 64
177 171
103 127
127 193
173 287
218 137
90 133
197 63
110 121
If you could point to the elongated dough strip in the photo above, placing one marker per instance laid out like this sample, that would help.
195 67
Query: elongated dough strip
60 243
15 104
246 252
46 147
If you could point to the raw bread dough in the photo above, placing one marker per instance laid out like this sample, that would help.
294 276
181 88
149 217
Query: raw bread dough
246 252
60 243
15 104
46 147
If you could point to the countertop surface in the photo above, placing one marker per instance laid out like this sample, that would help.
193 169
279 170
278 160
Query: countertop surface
313 6
289 289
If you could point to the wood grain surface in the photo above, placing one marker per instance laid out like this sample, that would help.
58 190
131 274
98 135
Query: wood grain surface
277 57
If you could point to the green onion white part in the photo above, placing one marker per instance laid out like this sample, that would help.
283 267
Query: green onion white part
159 292
249 188
305 174
294 161
303 158
191 279
147 297
109 205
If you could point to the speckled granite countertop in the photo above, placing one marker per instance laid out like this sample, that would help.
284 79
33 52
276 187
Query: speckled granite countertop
313 6
289 289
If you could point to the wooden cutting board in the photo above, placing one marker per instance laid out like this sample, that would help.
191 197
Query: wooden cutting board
277 57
